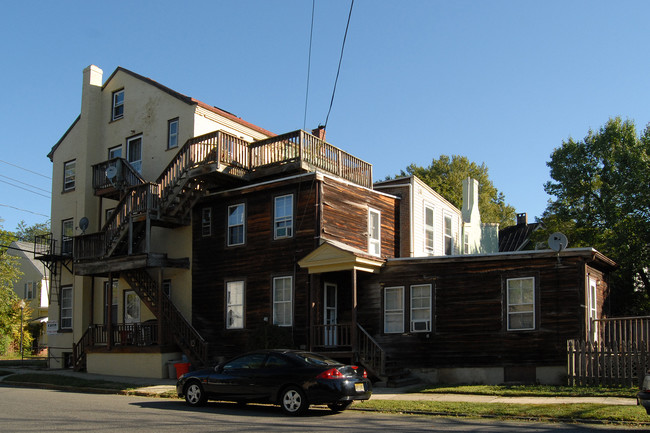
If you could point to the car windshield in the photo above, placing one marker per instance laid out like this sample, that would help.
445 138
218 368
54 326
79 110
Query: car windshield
315 359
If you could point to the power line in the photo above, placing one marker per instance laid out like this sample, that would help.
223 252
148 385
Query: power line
26 169
28 190
27 184
24 210
311 33
340 61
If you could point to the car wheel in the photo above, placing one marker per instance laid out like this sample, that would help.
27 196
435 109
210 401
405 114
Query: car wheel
293 401
339 406
194 395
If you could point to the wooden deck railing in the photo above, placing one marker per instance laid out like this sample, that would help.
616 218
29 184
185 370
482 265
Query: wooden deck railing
617 330
127 334
302 146
125 176
332 336
217 146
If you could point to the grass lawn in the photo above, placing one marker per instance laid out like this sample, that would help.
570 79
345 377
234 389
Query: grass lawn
534 391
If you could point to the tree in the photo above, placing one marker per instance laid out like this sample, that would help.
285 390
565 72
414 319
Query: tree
602 200
10 332
29 233
445 176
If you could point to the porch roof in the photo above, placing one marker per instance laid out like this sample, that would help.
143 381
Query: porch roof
333 256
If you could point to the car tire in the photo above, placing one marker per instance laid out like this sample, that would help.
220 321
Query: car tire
339 406
293 401
194 394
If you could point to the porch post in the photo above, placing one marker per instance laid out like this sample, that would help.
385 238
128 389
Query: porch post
109 312
353 331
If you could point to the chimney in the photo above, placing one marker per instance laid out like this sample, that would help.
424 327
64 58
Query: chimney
91 90
522 219
469 209
319 132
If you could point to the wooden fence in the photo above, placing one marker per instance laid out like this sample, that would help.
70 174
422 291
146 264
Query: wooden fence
595 364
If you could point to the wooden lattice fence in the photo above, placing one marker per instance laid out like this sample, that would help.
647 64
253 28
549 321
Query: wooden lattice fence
607 364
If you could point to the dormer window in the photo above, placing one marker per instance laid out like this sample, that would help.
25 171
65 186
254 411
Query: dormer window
118 105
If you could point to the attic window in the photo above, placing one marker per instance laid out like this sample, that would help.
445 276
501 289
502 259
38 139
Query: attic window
118 105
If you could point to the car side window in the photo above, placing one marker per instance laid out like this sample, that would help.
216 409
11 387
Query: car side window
254 360
275 361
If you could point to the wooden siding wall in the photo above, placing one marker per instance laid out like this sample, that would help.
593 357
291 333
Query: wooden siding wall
256 262
345 216
469 322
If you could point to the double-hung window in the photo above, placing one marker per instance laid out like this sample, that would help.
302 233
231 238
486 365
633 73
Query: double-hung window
118 105
421 308
236 224
428 229
69 175
67 233
521 303
374 232
172 133
393 310
449 240
29 290
235 305
66 307
283 217
206 221
282 301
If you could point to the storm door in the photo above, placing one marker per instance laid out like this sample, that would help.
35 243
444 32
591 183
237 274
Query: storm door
330 314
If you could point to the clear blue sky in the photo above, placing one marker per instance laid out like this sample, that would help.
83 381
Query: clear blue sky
501 82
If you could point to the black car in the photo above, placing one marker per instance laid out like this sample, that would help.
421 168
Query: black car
643 397
291 378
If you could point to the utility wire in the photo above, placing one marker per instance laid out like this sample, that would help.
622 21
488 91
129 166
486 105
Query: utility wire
340 61
28 190
26 184
26 169
311 34
24 210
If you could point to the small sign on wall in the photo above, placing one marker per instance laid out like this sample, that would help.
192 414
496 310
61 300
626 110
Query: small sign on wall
52 327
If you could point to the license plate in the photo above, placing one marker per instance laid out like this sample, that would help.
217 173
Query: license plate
359 387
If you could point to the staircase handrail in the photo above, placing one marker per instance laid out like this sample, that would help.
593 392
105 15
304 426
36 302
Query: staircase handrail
371 352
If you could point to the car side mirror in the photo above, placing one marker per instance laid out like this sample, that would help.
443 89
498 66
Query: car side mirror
218 368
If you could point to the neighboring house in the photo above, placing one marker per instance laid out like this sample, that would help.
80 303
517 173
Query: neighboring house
518 237
203 235
33 288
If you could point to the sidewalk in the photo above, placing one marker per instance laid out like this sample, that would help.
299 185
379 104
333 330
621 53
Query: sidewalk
157 387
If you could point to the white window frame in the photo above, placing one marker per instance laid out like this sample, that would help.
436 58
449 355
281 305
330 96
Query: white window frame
117 107
135 163
448 235
592 308
172 133
115 152
517 306
374 233
283 301
66 304
67 236
132 307
429 229
235 300
206 221
283 220
235 224
69 175
421 304
397 314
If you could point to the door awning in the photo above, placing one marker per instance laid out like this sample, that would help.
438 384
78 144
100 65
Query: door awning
334 256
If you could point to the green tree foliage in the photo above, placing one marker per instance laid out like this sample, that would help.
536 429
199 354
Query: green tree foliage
445 175
28 233
602 200
10 332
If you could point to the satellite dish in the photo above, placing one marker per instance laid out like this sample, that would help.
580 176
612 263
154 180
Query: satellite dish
83 224
111 172
557 241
